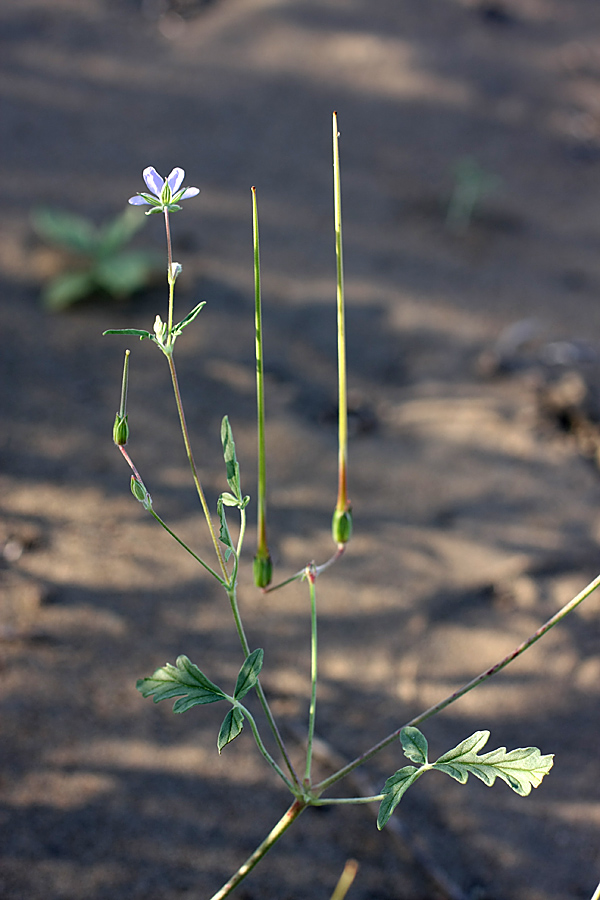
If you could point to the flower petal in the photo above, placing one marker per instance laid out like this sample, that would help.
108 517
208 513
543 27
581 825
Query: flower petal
174 179
153 180
138 201
189 192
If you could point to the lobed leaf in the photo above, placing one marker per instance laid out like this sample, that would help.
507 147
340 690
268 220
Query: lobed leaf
233 724
184 680
522 769
394 789
414 744
248 674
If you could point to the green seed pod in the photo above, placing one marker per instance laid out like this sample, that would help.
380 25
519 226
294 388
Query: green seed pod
263 570
120 430
341 525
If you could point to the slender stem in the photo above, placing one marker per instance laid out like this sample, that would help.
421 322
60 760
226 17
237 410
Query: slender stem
185 547
297 807
318 569
190 456
451 698
241 534
232 594
165 526
169 269
330 801
311 577
264 751
260 388
342 501
124 385
129 462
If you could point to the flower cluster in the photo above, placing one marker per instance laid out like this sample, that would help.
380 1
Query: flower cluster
165 193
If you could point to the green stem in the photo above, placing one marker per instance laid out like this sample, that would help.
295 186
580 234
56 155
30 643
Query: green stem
330 801
169 270
232 594
297 807
260 388
190 456
185 547
124 384
342 500
318 569
311 576
451 698
264 751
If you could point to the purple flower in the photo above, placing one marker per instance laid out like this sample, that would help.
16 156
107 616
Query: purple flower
165 193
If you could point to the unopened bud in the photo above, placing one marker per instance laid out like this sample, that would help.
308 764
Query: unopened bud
176 269
120 430
262 569
138 489
341 525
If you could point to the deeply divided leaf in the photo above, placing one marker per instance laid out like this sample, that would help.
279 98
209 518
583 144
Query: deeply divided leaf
248 674
233 724
522 769
394 789
184 680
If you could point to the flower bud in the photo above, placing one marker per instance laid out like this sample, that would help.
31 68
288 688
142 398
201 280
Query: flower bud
262 569
341 525
138 489
120 430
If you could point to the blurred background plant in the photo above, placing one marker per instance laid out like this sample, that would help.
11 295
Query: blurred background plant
93 259
472 184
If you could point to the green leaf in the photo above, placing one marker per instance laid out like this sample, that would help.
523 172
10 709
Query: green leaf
135 331
394 789
189 318
64 290
183 680
66 229
224 535
522 769
232 468
414 744
233 724
248 674
229 500
124 273
119 231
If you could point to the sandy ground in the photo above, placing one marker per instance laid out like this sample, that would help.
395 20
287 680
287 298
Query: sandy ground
476 515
